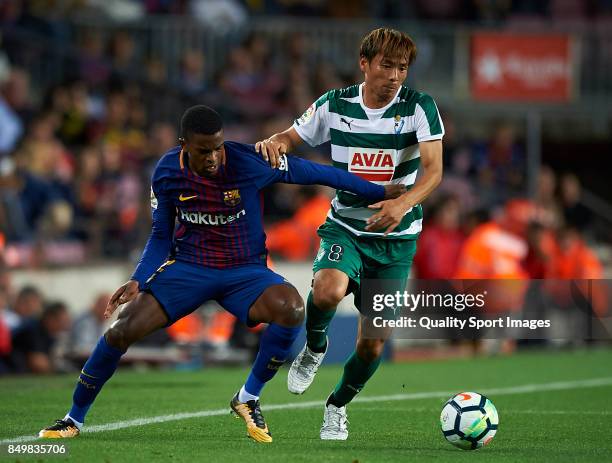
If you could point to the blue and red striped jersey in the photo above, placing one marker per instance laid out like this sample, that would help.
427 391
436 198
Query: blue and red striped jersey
217 222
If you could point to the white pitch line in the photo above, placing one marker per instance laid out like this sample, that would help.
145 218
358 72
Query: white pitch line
524 389
506 412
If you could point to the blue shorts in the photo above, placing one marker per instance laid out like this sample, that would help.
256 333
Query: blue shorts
182 287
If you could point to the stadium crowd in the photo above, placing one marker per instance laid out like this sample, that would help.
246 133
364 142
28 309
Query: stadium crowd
210 11
76 159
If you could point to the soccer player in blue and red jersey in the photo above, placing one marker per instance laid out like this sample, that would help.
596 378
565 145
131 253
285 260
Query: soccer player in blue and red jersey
216 251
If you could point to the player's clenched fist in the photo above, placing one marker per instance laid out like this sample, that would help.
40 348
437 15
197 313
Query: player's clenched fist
125 293
271 150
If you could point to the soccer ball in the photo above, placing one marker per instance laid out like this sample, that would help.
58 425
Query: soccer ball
469 420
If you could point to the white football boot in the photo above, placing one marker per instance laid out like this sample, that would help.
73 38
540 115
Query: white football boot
303 369
334 423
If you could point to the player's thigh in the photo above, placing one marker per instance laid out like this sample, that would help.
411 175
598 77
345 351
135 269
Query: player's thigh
386 268
135 320
337 266
181 287
329 286
244 285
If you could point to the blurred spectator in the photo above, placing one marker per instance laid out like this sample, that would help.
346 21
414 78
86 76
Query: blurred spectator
440 9
11 126
162 137
575 213
6 283
191 78
71 103
34 341
46 171
118 203
490 11
189 329
458 170
219 16
17 93
540 243
500 163
94 67
300 93
123 55
474 219
88 327
156 72
44 155
249 80
13 222
440 242
28 306
572 259
496 250
5 331
548 211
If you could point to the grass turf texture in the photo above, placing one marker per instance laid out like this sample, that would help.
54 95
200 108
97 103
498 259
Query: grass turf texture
560 425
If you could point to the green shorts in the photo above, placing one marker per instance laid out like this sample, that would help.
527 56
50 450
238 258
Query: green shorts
364 258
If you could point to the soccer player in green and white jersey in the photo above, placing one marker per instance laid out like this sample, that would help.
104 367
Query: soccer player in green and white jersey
382 131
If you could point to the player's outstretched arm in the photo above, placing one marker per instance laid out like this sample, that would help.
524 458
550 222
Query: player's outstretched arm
271 149
392 211
300 171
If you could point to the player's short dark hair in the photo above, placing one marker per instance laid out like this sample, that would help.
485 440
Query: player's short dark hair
200 119
390 42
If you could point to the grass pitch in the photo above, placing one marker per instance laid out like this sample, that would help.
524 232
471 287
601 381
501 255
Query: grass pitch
552 406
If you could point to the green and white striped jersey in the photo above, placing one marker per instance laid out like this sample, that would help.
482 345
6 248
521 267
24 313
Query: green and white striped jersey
380 145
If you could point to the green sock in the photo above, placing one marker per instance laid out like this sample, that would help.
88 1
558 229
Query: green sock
317 324
356 374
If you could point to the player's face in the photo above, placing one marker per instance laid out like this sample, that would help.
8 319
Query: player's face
205 153
384 75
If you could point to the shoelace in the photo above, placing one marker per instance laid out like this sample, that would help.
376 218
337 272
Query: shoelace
338 419
309 362
255 413
61 424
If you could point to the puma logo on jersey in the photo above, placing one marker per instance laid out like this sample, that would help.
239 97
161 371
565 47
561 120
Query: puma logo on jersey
342 119
371 164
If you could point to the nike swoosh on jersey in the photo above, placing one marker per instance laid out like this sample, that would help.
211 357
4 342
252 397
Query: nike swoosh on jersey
185 198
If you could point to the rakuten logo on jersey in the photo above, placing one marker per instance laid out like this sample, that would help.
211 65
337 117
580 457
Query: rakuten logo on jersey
371 164
204 218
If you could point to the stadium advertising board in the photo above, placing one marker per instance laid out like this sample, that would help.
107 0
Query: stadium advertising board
513 67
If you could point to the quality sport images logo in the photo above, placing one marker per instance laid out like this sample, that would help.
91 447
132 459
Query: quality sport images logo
372 164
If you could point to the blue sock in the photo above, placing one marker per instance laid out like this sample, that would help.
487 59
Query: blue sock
274 348
99 368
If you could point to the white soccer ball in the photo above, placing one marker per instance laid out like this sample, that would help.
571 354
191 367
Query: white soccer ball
469 420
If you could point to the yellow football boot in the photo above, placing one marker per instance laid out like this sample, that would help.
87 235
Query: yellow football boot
250 412
61 429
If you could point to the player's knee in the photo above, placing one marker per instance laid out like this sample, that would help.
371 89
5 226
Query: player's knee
291 312
327 297
119 336
370 349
